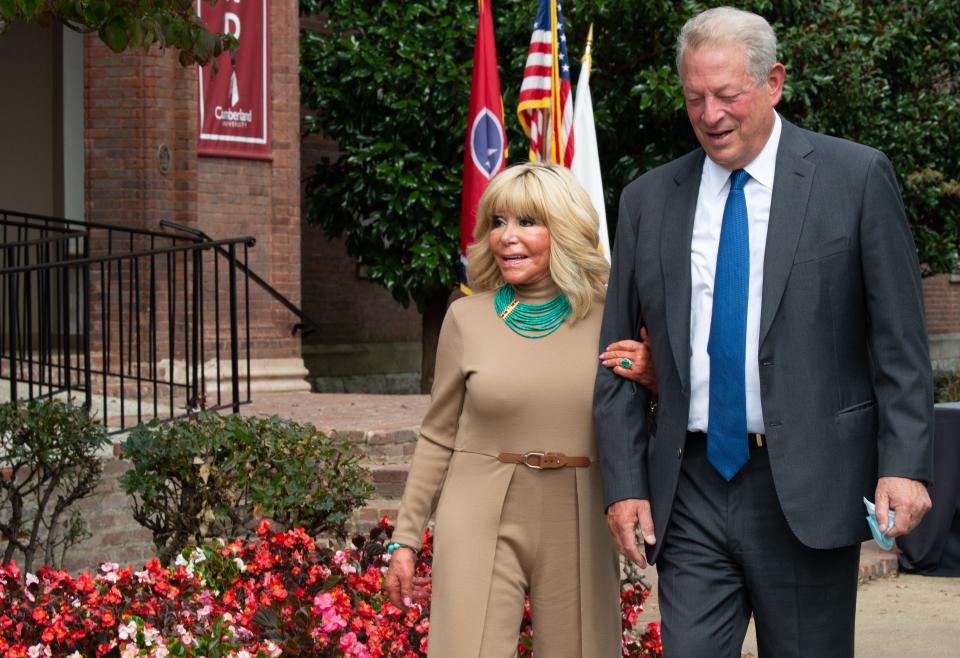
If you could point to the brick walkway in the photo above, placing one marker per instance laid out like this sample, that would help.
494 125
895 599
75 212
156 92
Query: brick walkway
345 412
384 427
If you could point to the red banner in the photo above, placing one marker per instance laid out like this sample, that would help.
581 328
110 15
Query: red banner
235 103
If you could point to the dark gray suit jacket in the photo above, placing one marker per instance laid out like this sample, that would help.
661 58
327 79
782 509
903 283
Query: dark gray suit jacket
845 374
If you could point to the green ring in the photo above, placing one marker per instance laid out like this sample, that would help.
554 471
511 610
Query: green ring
626 363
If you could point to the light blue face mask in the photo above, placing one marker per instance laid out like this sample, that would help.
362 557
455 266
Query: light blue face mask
886 543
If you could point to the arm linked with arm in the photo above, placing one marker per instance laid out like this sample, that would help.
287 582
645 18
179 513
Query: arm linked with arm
619 405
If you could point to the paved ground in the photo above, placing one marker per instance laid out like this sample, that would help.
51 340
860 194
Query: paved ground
902 616
345 412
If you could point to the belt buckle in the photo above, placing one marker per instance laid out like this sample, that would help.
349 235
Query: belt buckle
528 455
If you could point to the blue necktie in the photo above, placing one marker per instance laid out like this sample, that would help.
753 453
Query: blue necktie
727 431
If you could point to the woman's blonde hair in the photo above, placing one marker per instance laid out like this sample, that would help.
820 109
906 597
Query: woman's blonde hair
549 194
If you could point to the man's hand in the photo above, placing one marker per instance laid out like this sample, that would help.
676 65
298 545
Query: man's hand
622 519
908 498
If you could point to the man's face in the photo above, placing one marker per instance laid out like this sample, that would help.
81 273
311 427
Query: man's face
731 114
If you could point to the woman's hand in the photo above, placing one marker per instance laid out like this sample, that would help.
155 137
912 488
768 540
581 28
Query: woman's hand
400 583
641 368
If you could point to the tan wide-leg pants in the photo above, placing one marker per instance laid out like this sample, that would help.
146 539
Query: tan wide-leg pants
537 553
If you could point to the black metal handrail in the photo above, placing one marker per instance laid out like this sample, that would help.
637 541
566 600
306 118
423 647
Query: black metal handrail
135 324
260 281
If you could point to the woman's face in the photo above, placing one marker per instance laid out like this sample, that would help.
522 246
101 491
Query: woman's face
521 247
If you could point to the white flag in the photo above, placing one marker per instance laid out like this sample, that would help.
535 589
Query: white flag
586 158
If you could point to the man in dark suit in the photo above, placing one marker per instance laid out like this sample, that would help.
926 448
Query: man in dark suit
776 276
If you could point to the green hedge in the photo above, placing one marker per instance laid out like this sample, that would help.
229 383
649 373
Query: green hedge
218 476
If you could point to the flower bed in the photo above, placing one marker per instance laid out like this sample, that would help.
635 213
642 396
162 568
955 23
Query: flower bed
280 594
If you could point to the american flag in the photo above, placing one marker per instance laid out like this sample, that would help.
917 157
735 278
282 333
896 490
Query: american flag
546 104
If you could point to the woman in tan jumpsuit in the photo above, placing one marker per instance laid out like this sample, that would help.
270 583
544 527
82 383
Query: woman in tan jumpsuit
506 458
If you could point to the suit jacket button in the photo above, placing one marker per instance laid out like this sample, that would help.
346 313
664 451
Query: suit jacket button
679 453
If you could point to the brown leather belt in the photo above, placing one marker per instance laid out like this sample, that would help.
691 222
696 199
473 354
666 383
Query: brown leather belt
754 439
543 460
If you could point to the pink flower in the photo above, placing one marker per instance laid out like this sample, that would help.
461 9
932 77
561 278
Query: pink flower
348 641
323 601
331 621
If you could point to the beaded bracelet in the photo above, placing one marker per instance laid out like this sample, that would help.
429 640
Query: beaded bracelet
391 547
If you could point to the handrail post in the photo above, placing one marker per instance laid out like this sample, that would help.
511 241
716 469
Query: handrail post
12 303
64 293
195 334
87 323
234 331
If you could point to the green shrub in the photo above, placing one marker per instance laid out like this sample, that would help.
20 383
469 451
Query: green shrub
946 385
48 462
218 476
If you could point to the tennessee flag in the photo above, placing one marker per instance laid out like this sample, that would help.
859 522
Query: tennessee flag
486 144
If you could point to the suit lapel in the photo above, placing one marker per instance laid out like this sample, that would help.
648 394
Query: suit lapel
676 234
791 190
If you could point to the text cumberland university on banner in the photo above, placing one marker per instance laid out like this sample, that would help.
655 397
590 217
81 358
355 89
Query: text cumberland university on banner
235 103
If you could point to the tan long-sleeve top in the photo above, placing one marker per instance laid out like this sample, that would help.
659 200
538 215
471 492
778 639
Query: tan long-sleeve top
496 391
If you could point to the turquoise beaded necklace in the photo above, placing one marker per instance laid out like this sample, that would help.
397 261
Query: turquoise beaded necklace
530 320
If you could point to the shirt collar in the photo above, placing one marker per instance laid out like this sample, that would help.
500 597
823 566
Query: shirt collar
761 169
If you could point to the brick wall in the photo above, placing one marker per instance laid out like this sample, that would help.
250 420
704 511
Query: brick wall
941 296
109 516
368 342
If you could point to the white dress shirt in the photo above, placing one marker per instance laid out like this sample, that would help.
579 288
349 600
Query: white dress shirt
714 188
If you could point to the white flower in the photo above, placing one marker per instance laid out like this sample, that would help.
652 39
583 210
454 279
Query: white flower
240 565
38 650
127 631
150 635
